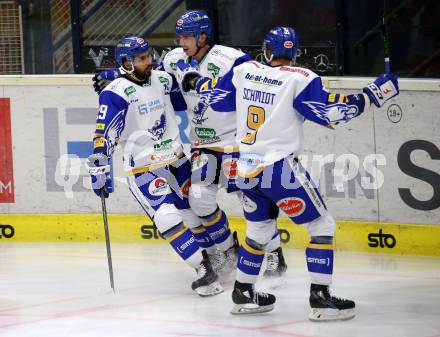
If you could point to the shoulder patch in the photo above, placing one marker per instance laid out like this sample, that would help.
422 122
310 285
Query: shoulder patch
213 69
164 80
129 90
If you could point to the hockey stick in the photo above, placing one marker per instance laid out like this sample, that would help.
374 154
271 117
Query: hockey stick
107 240
386 41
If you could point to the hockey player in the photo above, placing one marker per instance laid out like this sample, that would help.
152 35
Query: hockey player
271 103
212 136
136 112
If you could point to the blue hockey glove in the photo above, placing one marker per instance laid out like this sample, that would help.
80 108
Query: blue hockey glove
99 168
104 77
186 72
382 89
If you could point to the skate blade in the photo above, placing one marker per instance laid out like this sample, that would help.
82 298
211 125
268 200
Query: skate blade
327 314
210 290
250 308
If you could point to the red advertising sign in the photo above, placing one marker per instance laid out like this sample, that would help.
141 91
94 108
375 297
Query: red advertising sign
6 168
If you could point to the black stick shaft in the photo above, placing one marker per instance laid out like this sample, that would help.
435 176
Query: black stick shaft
107 240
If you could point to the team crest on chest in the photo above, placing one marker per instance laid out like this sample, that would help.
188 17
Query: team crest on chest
158 130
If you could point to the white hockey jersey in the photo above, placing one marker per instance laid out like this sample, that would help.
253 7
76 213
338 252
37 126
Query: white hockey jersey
142 120
271 104
209 129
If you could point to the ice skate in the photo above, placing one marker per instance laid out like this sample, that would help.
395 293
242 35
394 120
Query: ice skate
231 255
325 307
206 283
217 259
248 301
225 263
276 266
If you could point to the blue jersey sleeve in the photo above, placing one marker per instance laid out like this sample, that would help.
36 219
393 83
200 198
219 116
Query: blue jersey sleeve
110 122
320 106
241 59
218 93
176 96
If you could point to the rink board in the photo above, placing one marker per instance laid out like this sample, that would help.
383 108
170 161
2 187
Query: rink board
52 120
404 239
48 122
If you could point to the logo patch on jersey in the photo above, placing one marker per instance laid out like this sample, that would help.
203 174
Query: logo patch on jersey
185 188
173 65
213 69
295 70
140 40
166 84
130 90
292 206
155 157
249 205
179 22
143 110
164 80
206 136
100 126
230 167
335 112
159 157
263 80
159 186
163 145
199 111
205 133
213 96
158 130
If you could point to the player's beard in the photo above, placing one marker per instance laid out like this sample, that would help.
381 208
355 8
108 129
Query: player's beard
142 75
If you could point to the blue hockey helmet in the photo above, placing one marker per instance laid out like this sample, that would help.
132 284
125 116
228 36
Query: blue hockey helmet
128 47
280 42
194 22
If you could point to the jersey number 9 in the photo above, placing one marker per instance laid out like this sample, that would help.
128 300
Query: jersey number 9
102 111
255 118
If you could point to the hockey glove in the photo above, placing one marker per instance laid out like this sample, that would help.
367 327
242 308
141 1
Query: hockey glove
187 72
104 77
98 165
382 89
